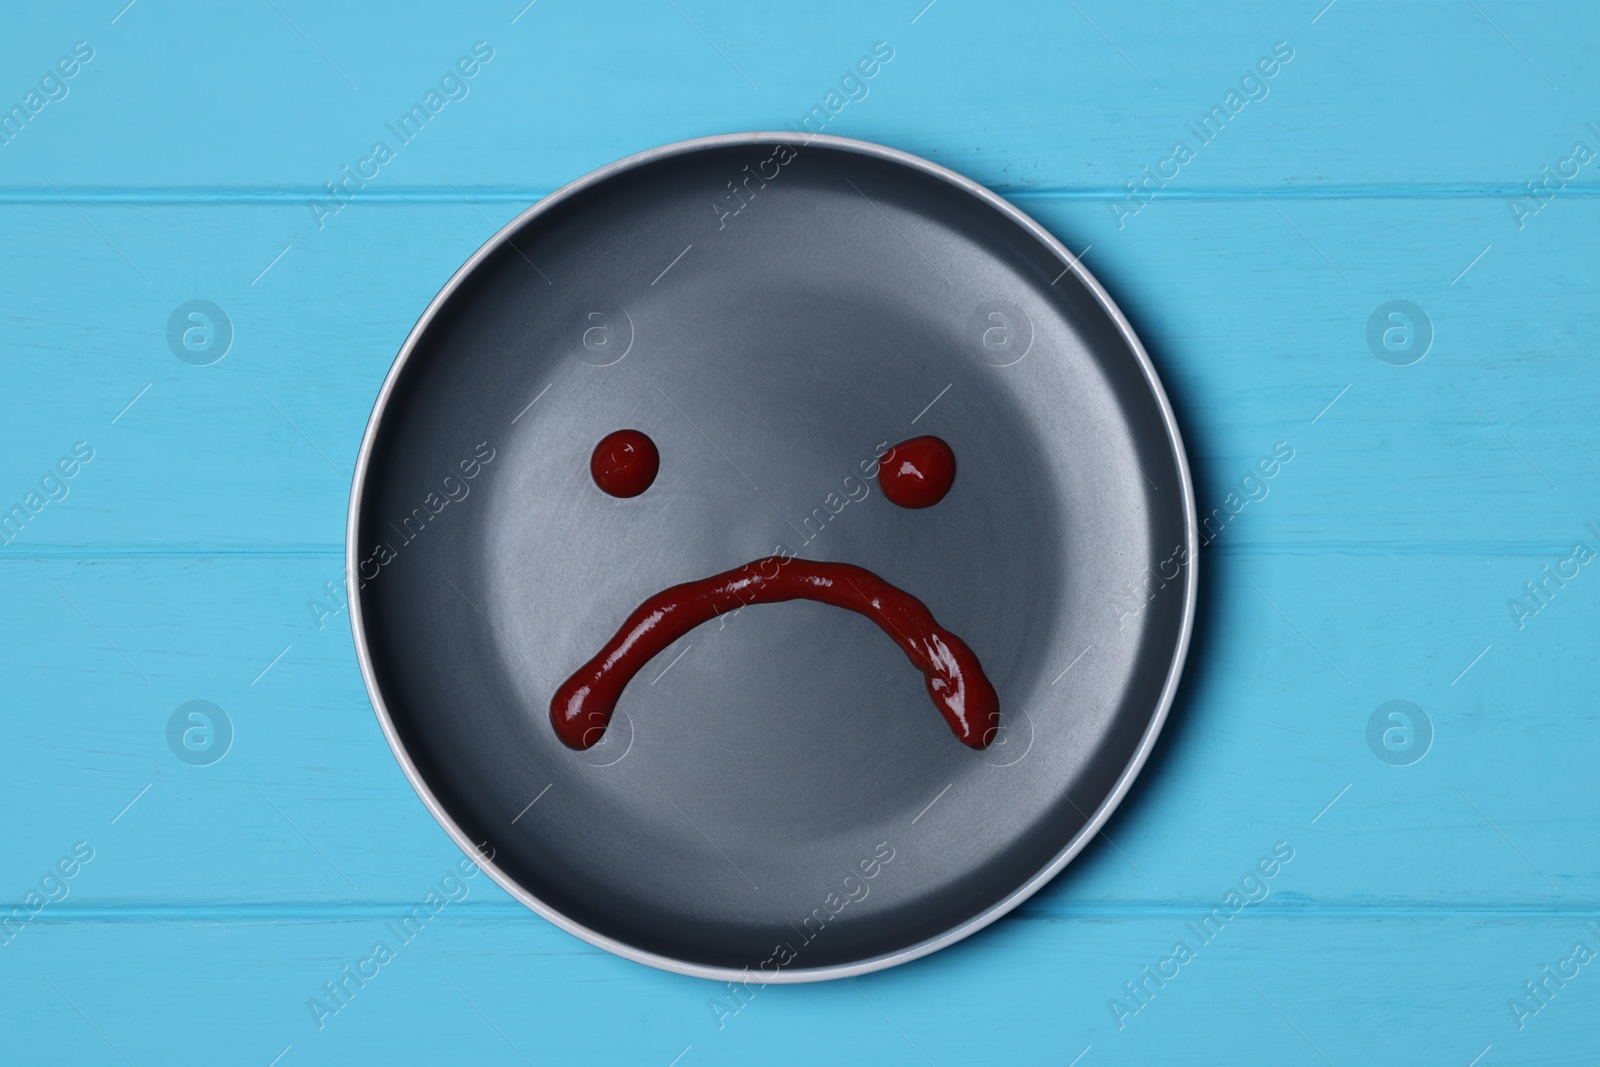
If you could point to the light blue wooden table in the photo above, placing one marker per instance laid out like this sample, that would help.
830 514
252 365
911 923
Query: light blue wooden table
174 910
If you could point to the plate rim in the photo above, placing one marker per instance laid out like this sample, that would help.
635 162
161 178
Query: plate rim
1029 886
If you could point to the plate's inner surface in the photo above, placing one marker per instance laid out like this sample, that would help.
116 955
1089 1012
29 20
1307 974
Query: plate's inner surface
759 771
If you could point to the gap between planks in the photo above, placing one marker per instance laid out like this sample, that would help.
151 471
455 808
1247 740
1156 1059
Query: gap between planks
510 911
268 195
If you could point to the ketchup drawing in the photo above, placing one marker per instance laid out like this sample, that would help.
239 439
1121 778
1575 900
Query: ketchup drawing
918 473
583 704
624 463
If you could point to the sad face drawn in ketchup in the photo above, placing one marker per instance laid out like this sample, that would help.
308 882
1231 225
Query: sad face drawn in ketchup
920 470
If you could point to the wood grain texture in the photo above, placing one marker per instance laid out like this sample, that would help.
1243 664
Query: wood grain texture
1386 160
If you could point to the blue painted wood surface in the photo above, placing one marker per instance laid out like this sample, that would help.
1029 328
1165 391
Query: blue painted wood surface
1388 158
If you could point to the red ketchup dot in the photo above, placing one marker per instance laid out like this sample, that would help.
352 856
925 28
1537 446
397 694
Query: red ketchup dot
917 473
625 463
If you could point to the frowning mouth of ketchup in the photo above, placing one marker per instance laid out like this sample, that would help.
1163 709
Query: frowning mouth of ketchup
582 706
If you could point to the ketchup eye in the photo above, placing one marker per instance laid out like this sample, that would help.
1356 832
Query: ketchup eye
625 463
917 473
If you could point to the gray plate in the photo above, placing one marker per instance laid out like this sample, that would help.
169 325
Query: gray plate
776 792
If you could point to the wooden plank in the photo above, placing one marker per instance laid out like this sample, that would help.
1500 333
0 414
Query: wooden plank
1271 986
1054 96
1271 729
1255 332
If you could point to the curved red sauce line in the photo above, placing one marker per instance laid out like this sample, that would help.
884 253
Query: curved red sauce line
583 704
